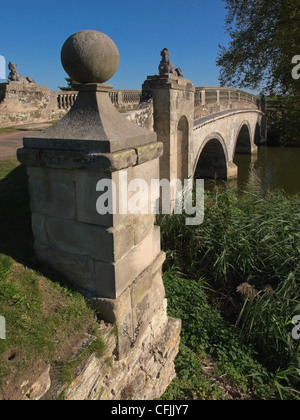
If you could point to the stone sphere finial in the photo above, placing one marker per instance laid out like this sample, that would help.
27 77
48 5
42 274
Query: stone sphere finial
90 57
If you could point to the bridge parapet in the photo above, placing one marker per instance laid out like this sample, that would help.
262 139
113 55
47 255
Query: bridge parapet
211 100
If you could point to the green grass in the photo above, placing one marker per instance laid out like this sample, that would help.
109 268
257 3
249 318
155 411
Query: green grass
45 317
248 252
206 335
4 130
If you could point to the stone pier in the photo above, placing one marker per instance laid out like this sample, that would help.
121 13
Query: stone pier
173 103
79 223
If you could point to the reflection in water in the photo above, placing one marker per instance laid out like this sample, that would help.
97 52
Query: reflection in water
271 168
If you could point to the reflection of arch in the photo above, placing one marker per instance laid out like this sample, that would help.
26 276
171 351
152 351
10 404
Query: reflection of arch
212 159
182 148
243 141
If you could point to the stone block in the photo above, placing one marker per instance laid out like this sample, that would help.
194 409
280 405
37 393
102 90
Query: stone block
147 296
38 223
113 279
52 193
96 242
87 195
232 170
39 388
78 269
89 161
149 152
143 225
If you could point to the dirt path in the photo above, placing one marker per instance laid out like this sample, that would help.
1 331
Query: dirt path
10 142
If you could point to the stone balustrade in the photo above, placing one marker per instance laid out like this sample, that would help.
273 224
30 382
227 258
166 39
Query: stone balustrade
130 99
65 100
212 100
54 105
122 99
216 95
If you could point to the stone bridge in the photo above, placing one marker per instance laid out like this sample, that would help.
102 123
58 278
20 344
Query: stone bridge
203 128
217 138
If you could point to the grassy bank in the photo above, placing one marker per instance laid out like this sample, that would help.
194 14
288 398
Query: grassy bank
243 265
45 319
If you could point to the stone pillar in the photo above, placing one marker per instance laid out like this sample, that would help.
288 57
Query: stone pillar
174 108
232 171
76 169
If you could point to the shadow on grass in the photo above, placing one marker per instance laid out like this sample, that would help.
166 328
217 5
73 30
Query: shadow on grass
16 238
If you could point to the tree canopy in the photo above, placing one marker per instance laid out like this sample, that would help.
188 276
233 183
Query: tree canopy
265 36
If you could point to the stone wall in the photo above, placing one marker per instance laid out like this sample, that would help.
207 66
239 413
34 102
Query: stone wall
27 103
209 109
143 375
30 103
143 116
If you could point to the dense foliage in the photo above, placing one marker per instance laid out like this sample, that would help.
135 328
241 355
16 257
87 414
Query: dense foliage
248 252
264 39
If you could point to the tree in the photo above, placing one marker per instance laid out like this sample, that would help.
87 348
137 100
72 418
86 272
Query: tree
265 36
72 85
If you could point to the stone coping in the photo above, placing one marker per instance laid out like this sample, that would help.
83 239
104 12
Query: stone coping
93 161
168 82
200 122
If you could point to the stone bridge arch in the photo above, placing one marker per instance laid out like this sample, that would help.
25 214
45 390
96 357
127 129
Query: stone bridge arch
244 139
211 161
236 130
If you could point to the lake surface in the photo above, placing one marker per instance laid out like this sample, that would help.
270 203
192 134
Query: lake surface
273 167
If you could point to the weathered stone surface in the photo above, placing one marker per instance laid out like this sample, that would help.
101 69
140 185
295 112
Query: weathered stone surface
173 102
90 161
143 375
80 270
80 239
232 171
133 310
115 257
149 152
27 103
166 67
14 75
112 279
39 388
54 196
87 195
90 57
92 125
143 116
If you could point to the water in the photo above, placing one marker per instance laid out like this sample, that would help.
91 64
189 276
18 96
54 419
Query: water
272 167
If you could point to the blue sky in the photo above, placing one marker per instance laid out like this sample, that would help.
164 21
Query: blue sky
32 34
